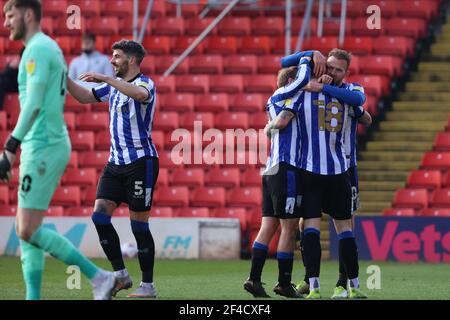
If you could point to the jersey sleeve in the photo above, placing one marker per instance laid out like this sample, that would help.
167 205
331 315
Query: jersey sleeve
148 85
101 93
38 65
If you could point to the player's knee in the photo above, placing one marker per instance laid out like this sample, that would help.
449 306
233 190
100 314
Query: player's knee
24 233
104 207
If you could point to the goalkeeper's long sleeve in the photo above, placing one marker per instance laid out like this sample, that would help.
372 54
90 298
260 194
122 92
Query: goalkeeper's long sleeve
30 110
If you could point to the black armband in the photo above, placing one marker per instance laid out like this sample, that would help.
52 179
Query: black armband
12 144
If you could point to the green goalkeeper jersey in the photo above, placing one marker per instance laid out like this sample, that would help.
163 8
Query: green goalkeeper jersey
42 89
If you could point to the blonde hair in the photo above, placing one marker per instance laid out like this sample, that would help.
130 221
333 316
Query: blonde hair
342 55
285 74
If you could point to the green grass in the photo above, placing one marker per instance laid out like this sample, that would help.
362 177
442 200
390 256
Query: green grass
203 280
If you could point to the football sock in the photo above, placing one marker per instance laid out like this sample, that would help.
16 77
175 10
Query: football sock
354 283
33 262
342 281
62 249
146 249
259 255
109 239
314 283
285 264
303 256
349 253
312 252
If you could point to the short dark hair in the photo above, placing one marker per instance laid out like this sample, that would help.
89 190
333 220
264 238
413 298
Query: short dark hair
131 48
89 36
34 5
342 55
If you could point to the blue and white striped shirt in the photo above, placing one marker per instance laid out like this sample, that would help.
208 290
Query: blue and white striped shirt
130 121
285 143
350 138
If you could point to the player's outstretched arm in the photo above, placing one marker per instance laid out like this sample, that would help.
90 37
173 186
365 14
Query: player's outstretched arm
81 94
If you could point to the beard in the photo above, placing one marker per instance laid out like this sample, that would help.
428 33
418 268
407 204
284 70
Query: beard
20 31
122 70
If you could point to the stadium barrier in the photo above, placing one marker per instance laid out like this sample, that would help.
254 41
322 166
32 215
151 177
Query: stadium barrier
175 238
402 239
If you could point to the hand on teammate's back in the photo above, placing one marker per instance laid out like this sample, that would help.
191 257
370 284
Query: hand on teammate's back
320 64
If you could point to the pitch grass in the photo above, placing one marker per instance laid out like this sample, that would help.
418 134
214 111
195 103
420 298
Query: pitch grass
206 280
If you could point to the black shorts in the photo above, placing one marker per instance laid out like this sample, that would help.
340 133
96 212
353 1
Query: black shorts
132 183
330 194
353 173
281 196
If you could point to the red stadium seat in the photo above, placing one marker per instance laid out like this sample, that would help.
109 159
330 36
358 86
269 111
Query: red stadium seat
399 212
66 44
8 211
69 119
102 140
411 198
428 179
82 140
89 8
355 8
195 26
244 197
88 196
260 83
66 196
188 119
440 198
209 64
80 177
188 177
398 46
221 45
388 8
165 121
354 65
104 25
436 161
232 120
239 64
407 27
73 105
85 211
13 47
359 45
360 28
148 65
163 178
267 26
156 45
164 84
446 180
192 213
166 161
254 45
442 141
162 63
272 245
258 120
46 25
14 181
73 162
187 9
419 9
118 8
215 102
247 102
158 9
374 84
252 178
168 26
178 139
126 25
228 178
172 196
94 159
233 213
332 27
161 212
379 65
55 211
4 194
122 211
178 102
61 27
93 121
297 23
54 8
208 197
435 212
269 64
227 83
181 43
323 44
192 83
234 26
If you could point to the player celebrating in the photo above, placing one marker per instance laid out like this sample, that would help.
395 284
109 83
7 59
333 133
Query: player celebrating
323 114
281 183
43 137
133 166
